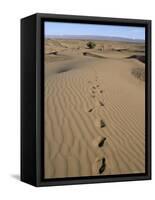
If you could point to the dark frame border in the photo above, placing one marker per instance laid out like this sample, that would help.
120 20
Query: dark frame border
41 18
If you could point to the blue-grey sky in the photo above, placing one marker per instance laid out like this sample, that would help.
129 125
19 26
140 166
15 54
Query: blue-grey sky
59 28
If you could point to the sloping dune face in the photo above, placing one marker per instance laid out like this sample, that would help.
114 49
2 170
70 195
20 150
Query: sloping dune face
94 109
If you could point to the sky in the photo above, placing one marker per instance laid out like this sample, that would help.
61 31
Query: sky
59 28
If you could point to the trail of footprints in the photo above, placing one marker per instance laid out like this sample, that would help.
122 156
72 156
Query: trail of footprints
94 92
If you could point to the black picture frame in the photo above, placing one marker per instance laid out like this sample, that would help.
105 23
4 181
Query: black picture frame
32 99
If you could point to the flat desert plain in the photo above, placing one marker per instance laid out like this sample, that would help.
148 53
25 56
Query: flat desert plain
94 108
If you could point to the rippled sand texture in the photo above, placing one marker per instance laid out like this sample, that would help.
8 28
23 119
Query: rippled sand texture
94 109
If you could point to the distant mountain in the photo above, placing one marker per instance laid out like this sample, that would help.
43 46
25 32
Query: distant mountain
93 37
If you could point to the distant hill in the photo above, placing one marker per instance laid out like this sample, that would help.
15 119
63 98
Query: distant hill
92 37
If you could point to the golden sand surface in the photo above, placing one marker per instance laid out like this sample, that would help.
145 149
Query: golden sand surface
94 109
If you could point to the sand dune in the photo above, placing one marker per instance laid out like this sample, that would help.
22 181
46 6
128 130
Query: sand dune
94 111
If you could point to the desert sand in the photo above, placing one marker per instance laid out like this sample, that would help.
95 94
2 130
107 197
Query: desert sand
94 108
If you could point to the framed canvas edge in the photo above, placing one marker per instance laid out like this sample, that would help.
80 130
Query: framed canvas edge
88 180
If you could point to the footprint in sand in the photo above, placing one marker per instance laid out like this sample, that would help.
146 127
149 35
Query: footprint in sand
92 92
101 103
101 91
90 110
103 165
100 123
99 165
98 86
99 141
